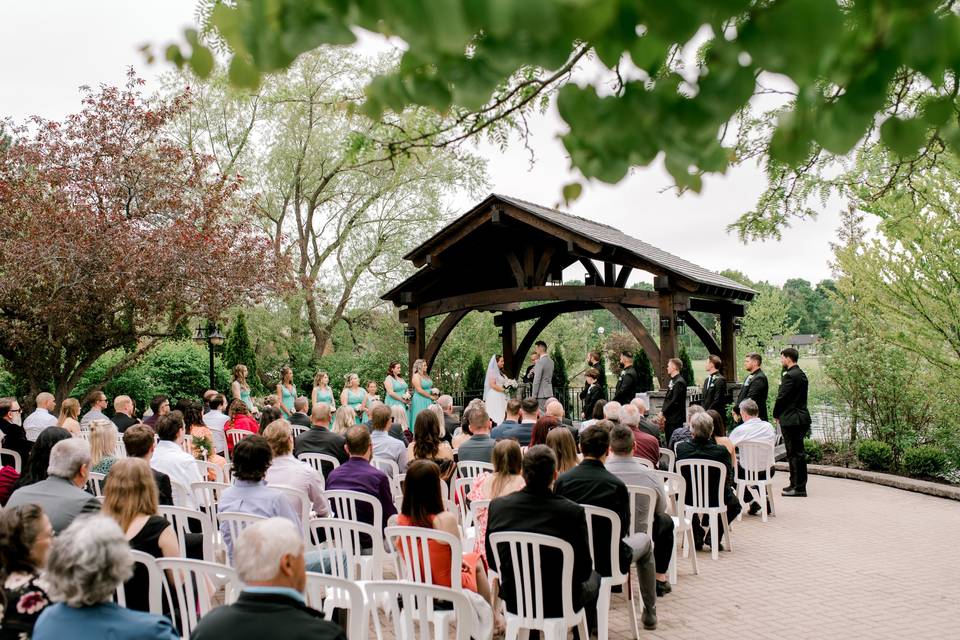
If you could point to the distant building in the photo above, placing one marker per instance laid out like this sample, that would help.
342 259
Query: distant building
806 343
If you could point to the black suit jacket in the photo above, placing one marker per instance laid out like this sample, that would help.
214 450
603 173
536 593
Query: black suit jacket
756 388
123 421
548 514
589 397
300 419
628 386
791 405
590 483
706 450
675 402
163 487
255 616
715 396
322 440
15 439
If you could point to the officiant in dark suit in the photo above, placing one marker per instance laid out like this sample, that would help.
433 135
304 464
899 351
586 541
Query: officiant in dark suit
674 409
755 387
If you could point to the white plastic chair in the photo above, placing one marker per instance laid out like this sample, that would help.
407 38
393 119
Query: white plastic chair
392 469
352 539
17 461
346 594
236 435
95 483
470 469
154 583
756 458
462 487
228 473
120 451
297 430
206 467
419 602
316 461
700 473
642 493
616 577
301 503
344 504
180 517
671 457
193 587
232 524
207 495
187 443
525 551
676 488
646 463
182 496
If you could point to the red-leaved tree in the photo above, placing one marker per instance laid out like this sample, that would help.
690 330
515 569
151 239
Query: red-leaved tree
111 233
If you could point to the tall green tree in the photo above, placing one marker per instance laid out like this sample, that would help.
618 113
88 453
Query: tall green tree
238 350
644 371
687 369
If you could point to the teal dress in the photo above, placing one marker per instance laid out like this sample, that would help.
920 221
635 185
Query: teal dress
319 395
287 397
419 401
354 401
399 387
247 400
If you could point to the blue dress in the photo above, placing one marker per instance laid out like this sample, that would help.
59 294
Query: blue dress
287 396
399 387
354 401
420 401
319 395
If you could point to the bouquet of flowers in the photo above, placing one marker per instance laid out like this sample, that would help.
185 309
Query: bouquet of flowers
509 386
435 392
406 397
202 448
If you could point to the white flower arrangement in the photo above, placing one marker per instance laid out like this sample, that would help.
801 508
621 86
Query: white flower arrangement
510 385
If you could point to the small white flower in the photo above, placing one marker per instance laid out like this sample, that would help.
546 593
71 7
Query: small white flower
16 580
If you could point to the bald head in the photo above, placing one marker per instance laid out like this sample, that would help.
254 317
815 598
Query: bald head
46 401
555 409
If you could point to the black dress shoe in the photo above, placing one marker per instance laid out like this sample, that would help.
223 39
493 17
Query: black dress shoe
663 588
708 542
649 619
794 493
754 508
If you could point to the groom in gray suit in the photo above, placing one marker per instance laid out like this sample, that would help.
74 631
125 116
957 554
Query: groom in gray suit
542 388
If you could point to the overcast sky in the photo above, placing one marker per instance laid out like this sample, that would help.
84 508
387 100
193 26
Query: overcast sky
51 47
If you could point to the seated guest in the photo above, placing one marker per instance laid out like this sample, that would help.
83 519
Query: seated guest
622 464
510 424
590 483
427 444
684 433
14 437
201 437
61 495
646 424
399 425
103 445
423 507
270 563
319 439
42 417
25 538
299 416
563 446
345 417
505 479
86 566
249 492
611 411
170 458
479 448
208 396
239 418
123 413
357 474
8 481
644 444
596 416
97 400
130 498
269 415
140 443
69 412
592 392
36 465
720 436
555 408
753 429
383 445
702 447
544 425
450 424
536 509
159 407
216 420
288 471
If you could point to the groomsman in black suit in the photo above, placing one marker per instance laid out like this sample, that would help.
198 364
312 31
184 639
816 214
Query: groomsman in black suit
675 402
790 410
754 387
715 388
628 385
595 360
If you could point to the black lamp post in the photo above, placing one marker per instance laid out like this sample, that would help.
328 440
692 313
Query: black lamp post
213 338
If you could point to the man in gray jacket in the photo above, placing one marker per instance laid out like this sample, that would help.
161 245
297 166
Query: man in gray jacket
61 495
542 387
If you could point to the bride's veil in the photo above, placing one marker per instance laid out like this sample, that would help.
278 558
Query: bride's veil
492 371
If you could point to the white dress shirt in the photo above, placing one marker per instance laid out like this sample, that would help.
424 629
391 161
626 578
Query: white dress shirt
37 421
215 421
170 459
290 472
754 430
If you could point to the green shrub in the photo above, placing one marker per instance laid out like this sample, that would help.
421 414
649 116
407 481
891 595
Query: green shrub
476 372
814 451
875 455
924 461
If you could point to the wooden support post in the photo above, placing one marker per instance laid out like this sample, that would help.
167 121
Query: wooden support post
415 342
509 336
609 274
728 347
668 334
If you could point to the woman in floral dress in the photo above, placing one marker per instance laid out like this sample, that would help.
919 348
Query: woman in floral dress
25 539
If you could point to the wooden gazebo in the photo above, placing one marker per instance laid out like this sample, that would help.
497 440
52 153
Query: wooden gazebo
506 251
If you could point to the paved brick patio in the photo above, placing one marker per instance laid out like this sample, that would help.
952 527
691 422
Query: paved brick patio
854 560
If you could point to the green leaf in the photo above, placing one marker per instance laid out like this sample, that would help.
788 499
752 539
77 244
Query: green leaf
791 141
174 55
903 136
201 61
242 74
572 192
935 111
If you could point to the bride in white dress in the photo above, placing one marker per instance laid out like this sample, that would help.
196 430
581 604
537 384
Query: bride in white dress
493 394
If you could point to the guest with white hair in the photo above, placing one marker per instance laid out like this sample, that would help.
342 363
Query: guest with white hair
270 562
641 403
685 433
753 429
123 413
449 423
87 564
611 411
61 495
644 444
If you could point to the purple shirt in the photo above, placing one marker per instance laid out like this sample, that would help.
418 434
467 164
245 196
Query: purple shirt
356 474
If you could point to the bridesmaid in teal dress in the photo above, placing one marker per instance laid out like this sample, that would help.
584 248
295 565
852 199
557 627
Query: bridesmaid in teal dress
322 391
422 388
286 392
354 397
395 390
239 389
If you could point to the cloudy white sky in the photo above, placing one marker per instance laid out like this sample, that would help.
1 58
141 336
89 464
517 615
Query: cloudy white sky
51 47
